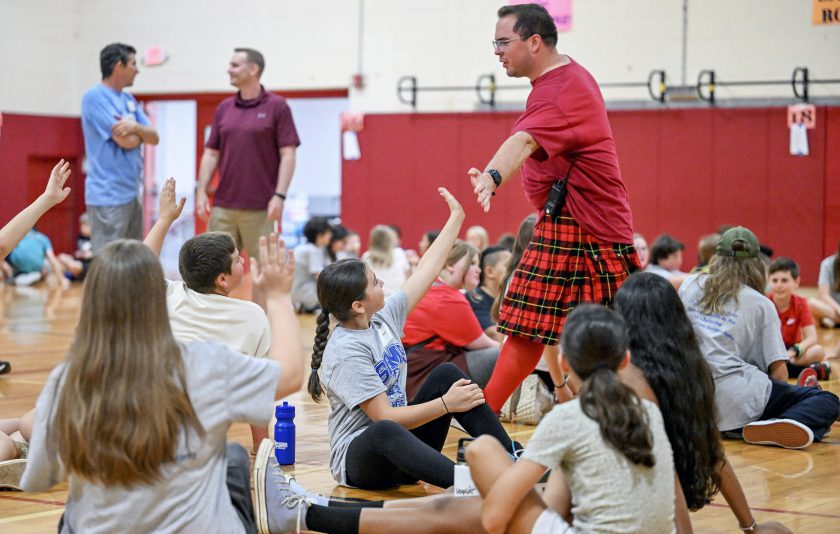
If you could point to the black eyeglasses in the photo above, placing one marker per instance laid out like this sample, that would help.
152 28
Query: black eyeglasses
499 44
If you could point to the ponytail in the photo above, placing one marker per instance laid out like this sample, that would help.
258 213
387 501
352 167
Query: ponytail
322 333
594 344
620 415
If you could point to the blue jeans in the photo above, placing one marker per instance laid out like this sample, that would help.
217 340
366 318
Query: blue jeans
813 407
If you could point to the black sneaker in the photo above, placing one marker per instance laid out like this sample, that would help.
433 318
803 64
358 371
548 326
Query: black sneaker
5 367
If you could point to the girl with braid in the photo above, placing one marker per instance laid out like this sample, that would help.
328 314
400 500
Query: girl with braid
377 438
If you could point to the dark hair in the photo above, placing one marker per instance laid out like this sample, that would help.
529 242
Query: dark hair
431 235
784 264
489 256
594 342
506 241
396 230
253 57
340 284
531 19
706 248
837 270
664 246
111 55
339 232
315 227
523 238
203 258
664 347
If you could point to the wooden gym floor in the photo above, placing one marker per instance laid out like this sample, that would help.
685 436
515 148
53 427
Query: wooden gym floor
798 488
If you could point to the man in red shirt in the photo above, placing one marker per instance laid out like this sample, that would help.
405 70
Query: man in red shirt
584 251
253 141
798 330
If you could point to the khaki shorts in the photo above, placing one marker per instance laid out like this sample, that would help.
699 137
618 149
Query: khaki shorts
246 227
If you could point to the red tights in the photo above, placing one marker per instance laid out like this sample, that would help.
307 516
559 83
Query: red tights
517 359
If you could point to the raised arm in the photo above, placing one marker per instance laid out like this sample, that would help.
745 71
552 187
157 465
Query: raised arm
55 193
170 210
432 261
209 162
273 275
507 160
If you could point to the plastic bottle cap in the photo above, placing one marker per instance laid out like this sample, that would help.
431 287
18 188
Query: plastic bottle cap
285 411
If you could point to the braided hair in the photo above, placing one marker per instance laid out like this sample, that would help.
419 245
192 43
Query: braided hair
339 285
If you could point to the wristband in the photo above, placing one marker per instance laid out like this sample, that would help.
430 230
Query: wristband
445 407
750 528
561 386
280 195
797 350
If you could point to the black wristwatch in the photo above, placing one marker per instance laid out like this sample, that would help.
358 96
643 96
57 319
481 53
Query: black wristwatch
496 176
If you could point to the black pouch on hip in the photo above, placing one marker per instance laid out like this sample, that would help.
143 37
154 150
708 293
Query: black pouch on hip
557 195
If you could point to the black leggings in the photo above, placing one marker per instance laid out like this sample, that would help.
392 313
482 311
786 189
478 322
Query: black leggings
386 454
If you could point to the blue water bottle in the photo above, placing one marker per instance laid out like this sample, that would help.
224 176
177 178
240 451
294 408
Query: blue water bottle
284 434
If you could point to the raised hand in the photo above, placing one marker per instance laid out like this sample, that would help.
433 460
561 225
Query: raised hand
454 206
170 208
275 270
55 192
463 396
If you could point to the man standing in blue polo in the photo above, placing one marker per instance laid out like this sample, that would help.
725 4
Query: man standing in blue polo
114 127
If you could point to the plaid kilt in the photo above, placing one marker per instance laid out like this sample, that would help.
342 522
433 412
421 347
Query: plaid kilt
562 267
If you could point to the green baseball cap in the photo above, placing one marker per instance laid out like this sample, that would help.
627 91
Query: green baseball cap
747 247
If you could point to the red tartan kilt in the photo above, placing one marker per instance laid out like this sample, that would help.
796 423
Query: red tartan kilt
562 267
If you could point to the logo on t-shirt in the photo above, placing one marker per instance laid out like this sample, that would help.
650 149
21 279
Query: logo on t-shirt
791 321
261 115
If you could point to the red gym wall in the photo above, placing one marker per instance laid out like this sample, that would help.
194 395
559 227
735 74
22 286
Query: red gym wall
687 172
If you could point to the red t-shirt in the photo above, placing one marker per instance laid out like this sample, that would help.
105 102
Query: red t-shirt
566 115
445 313
797 316
248 135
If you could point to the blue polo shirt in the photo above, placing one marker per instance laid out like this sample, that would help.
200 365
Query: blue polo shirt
29 255
114 173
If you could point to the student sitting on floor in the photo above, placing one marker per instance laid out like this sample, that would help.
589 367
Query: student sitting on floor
798 331
311 259
138 422
13 452
16 229
442 327
33 259
492 266
826 306
666 259
76 266
740 336
383 256
378 439
200 308
706 248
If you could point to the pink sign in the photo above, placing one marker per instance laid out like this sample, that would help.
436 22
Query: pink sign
560 10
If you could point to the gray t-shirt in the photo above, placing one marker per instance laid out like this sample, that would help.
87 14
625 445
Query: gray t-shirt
359 365
609 492
309 262
192 495
739 345
827 277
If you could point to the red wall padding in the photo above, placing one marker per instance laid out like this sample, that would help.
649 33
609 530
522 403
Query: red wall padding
687 172
30 145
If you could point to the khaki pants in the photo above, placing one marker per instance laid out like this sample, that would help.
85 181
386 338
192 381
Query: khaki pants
246 227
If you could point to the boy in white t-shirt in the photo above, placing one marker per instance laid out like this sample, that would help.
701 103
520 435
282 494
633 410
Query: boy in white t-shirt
200 308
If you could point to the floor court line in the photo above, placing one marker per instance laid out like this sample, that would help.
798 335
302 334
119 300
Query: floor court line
29 499
24 517
779 511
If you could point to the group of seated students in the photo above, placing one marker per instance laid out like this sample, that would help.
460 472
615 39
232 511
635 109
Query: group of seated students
137 415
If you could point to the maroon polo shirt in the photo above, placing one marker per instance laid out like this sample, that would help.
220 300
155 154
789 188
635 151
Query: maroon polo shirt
248 135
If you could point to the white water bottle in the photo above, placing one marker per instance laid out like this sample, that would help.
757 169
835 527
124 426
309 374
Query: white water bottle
464 485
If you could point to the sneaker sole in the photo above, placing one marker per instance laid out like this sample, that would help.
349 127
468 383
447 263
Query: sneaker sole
807 377
260 506
783 433
11 471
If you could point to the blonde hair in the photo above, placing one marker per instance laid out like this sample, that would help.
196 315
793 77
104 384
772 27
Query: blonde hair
726 276
482 235
458 251
124 402
380 252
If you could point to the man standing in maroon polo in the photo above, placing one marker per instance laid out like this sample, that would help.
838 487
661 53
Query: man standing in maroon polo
253 141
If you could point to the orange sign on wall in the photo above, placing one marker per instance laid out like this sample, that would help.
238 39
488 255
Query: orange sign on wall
826 12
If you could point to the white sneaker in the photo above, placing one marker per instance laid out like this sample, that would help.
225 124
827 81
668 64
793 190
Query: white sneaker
785 433
280 503
27 279
11 471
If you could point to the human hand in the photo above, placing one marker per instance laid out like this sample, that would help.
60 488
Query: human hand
772 527
55 192
170 208
463 396
123 127
792 354
483 187
202 205
455 207
275 210
275 270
